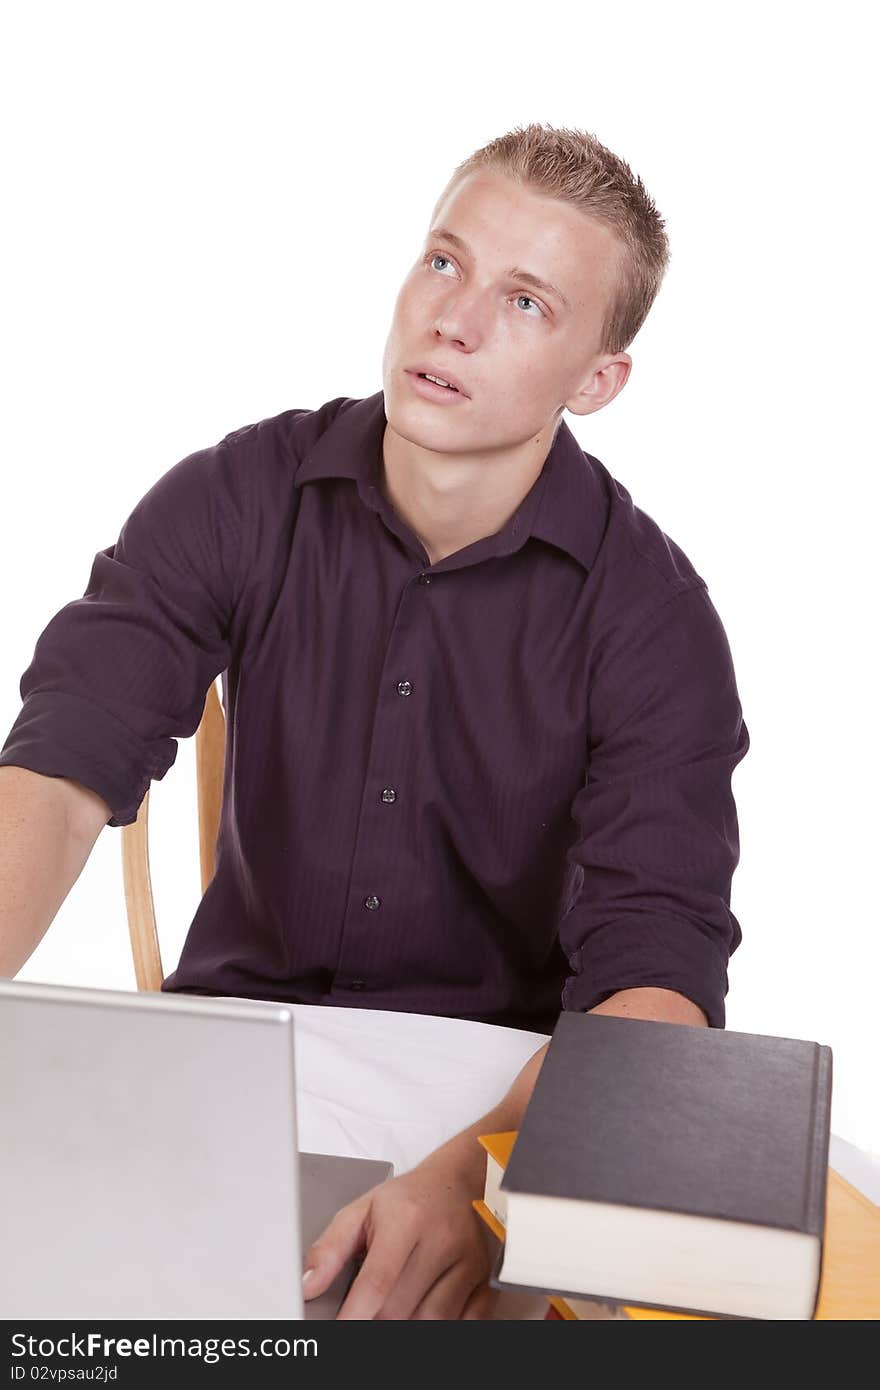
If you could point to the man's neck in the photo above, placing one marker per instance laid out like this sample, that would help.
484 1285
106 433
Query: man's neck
451 500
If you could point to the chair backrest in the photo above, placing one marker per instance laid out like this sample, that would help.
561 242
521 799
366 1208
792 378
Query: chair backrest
210 757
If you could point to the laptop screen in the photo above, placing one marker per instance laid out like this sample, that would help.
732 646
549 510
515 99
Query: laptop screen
151 1144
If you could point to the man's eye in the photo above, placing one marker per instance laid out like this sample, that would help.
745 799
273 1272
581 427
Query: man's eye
532 301
439 256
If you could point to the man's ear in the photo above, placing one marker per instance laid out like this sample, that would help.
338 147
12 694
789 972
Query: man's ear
607 377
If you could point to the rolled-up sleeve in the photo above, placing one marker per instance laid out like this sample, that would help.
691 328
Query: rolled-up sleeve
119 674
657 831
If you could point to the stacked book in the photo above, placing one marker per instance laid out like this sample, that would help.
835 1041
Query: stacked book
666 1170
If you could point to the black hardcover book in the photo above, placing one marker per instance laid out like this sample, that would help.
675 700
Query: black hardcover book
672 1166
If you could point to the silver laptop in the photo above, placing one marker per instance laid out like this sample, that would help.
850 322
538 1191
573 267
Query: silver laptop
149 1164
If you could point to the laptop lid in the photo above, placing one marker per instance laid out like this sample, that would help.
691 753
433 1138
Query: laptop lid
149 1161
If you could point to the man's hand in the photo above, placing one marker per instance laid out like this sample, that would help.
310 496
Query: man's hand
428 1254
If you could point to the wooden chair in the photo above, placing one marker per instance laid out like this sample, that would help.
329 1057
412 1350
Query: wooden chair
210 757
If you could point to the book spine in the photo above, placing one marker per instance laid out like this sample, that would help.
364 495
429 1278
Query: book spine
817 1178
820 1123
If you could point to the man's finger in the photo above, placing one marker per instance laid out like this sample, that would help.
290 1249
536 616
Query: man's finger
439 1277
380 1271
448 1296
338 1242
481 1303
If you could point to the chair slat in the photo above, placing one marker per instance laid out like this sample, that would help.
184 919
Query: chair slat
139 900
210 759
140 908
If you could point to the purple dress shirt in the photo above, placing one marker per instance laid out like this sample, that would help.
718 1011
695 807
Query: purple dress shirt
490 788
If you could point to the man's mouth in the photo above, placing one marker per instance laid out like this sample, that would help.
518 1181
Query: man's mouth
438 381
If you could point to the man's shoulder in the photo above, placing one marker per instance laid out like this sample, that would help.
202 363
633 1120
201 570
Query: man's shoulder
635 543
246 474
288 436
639 567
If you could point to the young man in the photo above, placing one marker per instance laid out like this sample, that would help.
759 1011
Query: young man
482 713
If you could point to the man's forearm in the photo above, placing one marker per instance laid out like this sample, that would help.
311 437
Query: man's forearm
468 1157
48 826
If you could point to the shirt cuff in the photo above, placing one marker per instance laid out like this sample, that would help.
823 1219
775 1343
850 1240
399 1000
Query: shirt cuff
661 953
63 735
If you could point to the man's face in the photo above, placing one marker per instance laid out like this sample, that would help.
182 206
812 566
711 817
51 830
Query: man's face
519 352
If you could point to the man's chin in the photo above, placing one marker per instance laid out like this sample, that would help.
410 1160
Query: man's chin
416 422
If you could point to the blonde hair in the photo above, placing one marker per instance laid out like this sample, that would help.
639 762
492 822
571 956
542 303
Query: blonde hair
573 166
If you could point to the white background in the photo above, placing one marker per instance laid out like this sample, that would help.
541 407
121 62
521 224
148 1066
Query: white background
209 210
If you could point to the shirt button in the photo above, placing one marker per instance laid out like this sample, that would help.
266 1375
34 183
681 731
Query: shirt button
389 794
404 687
424 579
357 984
372 902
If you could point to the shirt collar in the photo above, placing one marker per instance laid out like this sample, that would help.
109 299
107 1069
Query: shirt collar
567 505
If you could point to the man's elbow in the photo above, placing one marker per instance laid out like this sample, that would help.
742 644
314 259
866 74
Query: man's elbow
652 1003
